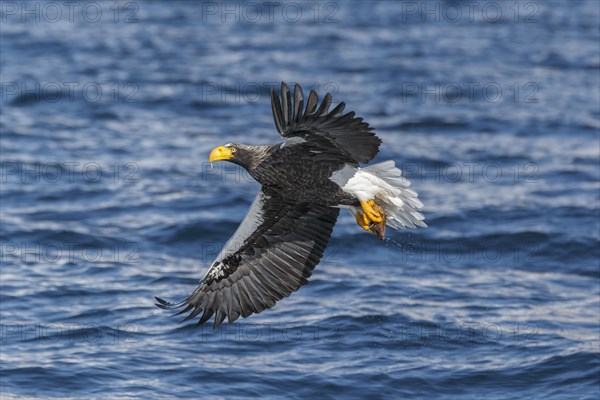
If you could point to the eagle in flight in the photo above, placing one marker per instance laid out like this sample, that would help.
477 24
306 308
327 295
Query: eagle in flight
305 180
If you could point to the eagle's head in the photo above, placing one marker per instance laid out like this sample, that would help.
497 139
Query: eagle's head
241 154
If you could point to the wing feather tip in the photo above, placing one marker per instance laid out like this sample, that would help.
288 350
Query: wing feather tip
166 305
219 318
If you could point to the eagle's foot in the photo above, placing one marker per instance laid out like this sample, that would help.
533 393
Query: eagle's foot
362 221
373 220
371 210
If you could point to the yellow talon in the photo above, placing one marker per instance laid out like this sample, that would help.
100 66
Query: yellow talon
369 210
365 218
362 222
372 219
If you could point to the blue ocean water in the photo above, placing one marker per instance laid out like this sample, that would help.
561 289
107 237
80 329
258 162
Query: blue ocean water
109 111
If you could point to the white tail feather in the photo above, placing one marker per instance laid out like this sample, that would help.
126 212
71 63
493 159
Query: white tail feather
385 183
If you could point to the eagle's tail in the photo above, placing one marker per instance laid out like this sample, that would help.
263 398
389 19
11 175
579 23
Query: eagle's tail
400 204
385 184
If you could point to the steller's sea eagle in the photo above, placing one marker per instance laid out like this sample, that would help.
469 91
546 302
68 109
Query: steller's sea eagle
305 180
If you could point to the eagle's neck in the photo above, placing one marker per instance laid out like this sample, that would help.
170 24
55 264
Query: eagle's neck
257 154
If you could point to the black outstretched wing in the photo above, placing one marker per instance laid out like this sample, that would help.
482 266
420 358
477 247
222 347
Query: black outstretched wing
330 130
272 253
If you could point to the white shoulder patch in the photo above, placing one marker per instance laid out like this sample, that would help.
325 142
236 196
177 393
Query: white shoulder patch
292 141
342 176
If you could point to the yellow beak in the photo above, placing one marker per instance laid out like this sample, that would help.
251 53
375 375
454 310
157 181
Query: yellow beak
220 153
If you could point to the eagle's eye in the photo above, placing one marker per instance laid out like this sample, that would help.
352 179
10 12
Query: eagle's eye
233 150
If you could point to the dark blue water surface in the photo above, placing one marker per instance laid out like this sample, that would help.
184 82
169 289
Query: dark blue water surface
492 109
